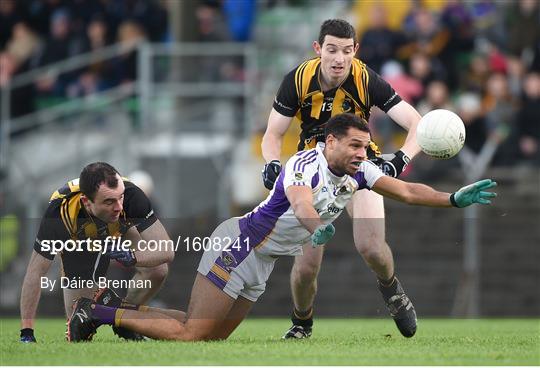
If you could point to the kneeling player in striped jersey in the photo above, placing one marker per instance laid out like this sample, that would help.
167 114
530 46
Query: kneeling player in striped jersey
310 193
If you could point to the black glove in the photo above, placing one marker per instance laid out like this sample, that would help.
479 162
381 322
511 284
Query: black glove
270 173
27 335
392 164
125 257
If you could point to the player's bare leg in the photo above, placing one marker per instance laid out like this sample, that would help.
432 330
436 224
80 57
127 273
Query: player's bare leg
304 288
156 275
204 319
304 277
236 315
367 211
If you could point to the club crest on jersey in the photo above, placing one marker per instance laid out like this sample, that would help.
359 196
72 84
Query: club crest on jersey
228 259
341 190
346 106
298 176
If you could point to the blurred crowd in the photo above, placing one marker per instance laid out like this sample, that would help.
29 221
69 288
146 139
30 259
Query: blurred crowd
35 33
480 59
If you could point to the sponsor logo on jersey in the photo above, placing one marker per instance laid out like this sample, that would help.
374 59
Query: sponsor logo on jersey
298 176
333 209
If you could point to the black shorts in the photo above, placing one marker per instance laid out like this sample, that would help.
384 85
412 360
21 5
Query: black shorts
84 265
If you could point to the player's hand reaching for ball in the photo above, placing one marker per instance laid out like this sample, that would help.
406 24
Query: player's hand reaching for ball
322 235
474 193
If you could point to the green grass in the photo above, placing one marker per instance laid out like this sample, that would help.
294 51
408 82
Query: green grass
257 342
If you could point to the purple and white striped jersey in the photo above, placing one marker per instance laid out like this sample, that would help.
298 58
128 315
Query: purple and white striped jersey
272 227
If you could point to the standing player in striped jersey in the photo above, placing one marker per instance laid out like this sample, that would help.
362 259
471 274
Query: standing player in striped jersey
335 82
310 193
97 205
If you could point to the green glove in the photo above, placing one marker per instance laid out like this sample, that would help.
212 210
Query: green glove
322 234
473 193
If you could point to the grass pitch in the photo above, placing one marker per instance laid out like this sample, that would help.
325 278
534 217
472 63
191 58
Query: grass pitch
257 342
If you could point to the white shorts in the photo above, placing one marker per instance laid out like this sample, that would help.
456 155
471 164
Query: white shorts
234 267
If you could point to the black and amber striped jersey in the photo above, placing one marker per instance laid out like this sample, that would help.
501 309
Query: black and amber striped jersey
300 95
66 219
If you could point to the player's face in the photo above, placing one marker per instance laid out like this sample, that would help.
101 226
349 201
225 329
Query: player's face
336 57
347 153
108 202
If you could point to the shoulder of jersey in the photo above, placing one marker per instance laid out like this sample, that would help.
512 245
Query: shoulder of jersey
369 162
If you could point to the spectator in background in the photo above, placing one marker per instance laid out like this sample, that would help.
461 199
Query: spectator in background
469 108
500 110
240 16
523 26
498 103
10 14
427 36
457 20
20 57
425 70
23 44
477 74
129 35
437 97
82 12
150 15
99 75
528 120
515 74
488 22
408 88
59 46
211 25
378 42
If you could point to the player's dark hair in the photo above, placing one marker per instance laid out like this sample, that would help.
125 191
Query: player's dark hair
338 125
95 174
338 28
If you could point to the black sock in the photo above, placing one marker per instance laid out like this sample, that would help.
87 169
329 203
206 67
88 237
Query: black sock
302 318
387 283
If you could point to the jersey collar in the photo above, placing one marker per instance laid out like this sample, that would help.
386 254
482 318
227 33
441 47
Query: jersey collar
322 161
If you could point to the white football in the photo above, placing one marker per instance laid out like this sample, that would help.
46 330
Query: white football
440 134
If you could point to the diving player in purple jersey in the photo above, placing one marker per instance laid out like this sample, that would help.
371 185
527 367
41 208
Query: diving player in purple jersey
310 193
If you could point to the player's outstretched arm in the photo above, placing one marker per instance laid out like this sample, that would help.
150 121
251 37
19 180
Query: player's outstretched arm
420 194
31 293
271 146
301 200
